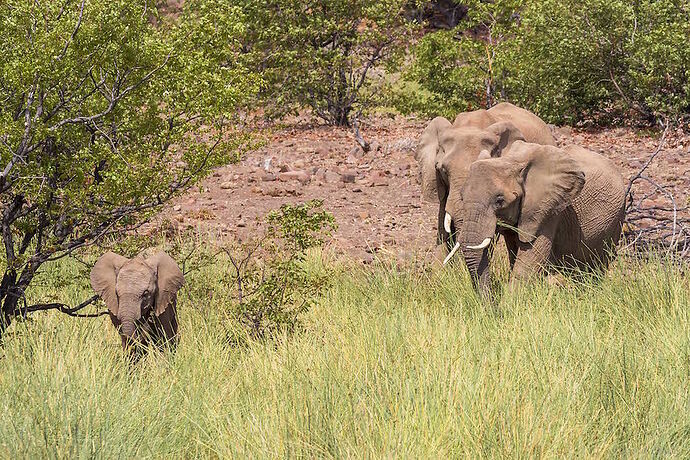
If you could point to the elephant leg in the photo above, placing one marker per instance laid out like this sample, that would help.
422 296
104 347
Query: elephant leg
531 257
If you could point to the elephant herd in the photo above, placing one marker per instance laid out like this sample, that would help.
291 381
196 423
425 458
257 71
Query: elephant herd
494 172
499 172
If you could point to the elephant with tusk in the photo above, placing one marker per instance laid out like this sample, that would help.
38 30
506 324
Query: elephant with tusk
552 206
447 150
141 296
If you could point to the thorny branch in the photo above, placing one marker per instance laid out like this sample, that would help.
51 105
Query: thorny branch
656 226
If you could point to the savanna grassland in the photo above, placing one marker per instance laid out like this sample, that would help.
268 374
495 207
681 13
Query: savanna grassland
392 361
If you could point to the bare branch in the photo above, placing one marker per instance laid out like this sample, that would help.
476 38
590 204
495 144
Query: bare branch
62 308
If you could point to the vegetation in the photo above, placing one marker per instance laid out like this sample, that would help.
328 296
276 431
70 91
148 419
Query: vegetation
325 55
107 111
564 59
392 362
103 118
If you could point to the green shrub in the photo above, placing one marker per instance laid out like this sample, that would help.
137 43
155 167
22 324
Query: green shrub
271 287
566 60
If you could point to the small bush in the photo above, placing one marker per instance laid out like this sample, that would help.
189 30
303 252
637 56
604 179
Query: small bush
272 287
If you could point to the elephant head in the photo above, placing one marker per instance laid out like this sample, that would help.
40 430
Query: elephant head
134 288
518 194
445 154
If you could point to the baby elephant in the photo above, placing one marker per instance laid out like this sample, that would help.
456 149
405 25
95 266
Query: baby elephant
141 295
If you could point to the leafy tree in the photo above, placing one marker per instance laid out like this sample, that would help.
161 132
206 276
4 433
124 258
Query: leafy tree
564 59
323 54
104 116
461 68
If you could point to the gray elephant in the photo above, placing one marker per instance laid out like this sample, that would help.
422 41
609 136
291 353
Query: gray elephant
446 152
141 295
563 206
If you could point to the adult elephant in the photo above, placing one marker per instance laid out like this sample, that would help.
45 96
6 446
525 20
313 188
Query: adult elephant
447 150
563 206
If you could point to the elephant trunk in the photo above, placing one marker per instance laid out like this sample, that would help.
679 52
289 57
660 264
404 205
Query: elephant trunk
478 229
127 331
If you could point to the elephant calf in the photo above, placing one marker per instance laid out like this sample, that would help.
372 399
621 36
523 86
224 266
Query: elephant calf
552 205
141 295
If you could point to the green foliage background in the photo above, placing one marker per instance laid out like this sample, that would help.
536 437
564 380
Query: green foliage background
566 60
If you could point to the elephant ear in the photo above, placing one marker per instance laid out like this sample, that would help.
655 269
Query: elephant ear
507 133
426 156
551 180
170 279
104 276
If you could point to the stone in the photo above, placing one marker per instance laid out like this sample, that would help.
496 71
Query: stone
331 177
302 176
177 208
367 258
348 176
268 177
226 185
356 152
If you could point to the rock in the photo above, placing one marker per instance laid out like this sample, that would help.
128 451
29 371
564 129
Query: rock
217 174
284 168
349 176
302 176
241 223
351 159
367 258
177 207
364 215
331 177
378 179
357 189
356 152
226 185
268 177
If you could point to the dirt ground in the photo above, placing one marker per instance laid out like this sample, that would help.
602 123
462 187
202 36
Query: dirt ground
375 196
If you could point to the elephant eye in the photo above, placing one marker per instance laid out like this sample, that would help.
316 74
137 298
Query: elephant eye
500 201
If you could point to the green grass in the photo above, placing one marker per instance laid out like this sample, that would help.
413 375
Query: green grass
392 362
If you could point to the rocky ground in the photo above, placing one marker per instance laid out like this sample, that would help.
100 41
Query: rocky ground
375 196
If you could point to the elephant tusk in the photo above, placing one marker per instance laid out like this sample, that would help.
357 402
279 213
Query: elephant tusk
482 245
451 253
446 222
